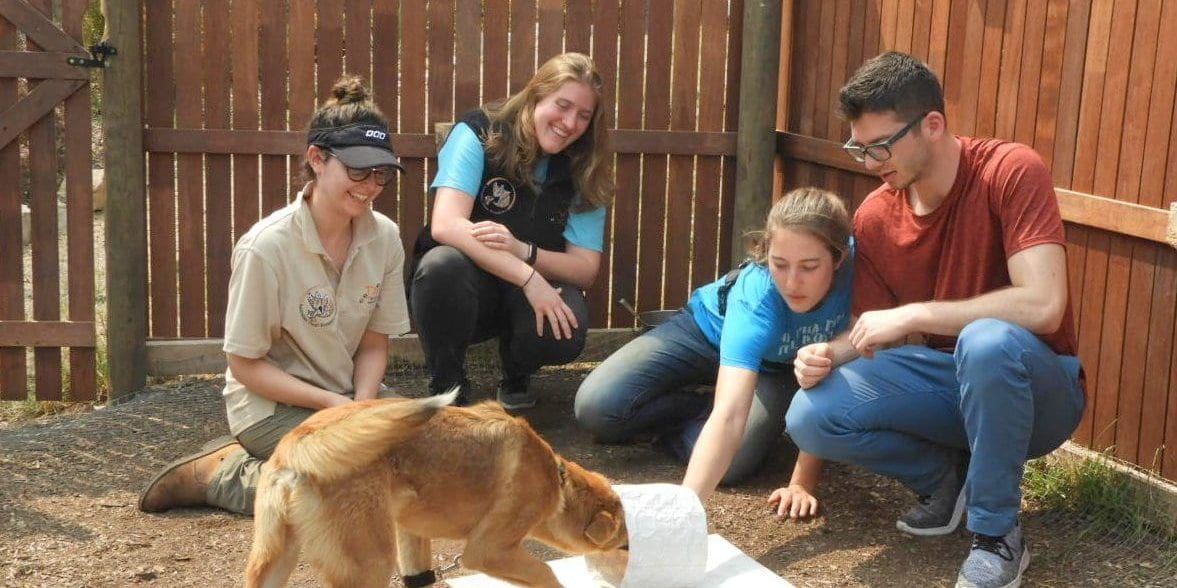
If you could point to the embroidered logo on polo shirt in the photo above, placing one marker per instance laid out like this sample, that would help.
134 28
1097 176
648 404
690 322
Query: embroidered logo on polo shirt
370 294
317 307
498 195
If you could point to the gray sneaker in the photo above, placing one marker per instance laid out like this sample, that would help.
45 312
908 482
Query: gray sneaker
941 512
514 393
995 562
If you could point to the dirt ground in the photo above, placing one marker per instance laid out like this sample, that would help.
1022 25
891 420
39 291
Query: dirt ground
69 483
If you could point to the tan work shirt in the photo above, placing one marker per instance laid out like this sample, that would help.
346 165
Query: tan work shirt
289 305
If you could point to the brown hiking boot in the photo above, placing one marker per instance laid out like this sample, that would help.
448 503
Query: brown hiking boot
184 481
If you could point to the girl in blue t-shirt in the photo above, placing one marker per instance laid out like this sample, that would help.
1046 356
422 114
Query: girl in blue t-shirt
516 232
741 334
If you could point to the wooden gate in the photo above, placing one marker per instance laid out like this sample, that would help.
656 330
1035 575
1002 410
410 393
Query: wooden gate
42 142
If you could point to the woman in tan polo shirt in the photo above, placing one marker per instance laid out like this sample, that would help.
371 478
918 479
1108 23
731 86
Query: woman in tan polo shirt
316 291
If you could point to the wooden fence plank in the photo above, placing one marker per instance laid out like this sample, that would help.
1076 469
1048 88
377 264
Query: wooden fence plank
1051 79
467 56
1157 146
301 59
921 29
629 115
1074 86
441 62
838 67
190 173
1011 68
522 43
13 367
357 38
676 276
79 218
243 44
550 14
653 227
888 24
412 99
1088 318
952 76
1111 344
272 46
1033 40
40 64
990 70
578 21
937 45
441 73
218 239
1143 261
1140 77
385 88
1158 362
495 55
1119 63
329 38
823 96
159 109
706 251
47 334
42 169
904 25
601 300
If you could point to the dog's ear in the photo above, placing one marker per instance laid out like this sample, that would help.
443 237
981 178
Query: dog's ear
602 528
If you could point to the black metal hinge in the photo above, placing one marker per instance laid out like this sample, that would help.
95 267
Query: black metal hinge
98 54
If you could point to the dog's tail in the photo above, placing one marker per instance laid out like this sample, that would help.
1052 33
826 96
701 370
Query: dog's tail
344 446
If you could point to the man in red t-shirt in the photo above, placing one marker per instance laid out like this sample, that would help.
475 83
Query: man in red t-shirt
960 364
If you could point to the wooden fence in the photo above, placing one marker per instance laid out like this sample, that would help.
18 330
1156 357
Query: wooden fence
230 85
35 79
1090 85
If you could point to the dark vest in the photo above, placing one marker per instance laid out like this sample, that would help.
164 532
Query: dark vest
536 217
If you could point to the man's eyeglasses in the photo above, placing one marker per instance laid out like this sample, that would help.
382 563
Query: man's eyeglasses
383 173
880 151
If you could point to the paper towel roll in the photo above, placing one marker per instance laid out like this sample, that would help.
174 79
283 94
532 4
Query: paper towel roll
667 539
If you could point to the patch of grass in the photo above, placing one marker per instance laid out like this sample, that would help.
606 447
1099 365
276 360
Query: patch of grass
26 410
1103 499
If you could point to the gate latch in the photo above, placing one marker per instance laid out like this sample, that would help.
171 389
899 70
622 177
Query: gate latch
98 53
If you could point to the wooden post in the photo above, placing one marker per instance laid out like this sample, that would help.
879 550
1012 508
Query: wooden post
756 137
784 88
126 210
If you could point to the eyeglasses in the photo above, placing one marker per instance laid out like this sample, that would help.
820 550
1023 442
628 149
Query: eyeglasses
880 151
383 173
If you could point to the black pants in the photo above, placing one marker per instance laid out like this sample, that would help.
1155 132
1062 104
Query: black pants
455 304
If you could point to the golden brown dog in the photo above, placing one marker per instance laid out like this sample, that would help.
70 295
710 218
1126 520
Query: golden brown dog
361 486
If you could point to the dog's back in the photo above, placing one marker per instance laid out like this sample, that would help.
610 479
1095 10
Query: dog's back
331 445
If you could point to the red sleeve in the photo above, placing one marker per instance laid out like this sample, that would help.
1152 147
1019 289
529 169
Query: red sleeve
870 292
1026 201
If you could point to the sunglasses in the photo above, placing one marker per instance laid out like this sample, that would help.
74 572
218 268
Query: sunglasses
383 173
880 151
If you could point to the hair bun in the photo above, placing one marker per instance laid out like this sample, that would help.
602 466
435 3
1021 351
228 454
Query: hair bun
350 89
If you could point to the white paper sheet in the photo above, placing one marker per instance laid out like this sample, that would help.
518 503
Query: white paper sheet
727 567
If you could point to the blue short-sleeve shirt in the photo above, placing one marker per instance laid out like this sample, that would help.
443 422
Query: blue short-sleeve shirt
460 164
760 326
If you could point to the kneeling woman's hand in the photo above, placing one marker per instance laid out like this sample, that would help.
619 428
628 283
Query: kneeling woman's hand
548 305
793 501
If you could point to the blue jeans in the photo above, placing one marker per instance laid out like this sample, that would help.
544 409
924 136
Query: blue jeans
638 391
909 412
